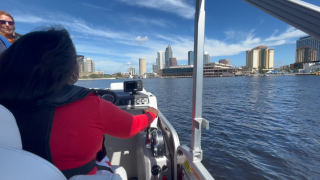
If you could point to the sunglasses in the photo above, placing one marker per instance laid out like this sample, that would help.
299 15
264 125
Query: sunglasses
11 23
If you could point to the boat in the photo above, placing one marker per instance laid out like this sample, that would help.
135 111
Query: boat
155 153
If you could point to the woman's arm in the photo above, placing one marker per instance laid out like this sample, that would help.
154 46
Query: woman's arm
121 124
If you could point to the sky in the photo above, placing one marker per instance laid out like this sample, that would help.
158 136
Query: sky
116 33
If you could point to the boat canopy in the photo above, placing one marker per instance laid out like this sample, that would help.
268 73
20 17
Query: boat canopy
299 14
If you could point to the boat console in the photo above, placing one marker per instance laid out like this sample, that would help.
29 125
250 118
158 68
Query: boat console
144 156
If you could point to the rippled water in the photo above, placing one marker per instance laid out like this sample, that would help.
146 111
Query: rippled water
260 127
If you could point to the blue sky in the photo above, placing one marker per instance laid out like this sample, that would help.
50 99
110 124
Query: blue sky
116 33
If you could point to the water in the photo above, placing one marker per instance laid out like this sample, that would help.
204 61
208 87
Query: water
260 127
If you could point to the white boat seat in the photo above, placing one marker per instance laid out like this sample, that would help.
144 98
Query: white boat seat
97 177
120 171
17 164
9 131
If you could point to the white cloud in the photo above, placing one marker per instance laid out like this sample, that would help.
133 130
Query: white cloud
157 22
291 32
96 7
140 39
223 48
82 27
179 7
72 24
30 19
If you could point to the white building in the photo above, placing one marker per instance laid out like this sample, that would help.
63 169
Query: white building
218 65
155 68
160 59
206 57
132 71
311 67
87 66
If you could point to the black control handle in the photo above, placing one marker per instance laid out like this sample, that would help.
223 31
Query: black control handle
156 170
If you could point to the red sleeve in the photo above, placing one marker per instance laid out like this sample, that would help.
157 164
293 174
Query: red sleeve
121 124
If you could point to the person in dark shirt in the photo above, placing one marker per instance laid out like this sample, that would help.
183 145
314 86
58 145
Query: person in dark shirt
7 27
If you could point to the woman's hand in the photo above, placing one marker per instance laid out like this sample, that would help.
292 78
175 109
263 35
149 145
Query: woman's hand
151 109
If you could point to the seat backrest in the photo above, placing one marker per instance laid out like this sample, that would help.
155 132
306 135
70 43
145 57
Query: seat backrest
9 131
16 163
20 164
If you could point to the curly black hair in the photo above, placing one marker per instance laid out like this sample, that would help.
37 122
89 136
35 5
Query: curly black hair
36 65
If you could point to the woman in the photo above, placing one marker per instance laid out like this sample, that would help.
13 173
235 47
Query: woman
58 121
6 31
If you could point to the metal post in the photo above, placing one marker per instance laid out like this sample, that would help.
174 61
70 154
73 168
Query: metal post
197 120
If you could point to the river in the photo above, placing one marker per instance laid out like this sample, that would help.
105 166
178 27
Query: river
260 127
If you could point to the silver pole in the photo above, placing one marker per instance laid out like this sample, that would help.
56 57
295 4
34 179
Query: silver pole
197 120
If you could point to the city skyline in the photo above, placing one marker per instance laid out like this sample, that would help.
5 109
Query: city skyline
118 32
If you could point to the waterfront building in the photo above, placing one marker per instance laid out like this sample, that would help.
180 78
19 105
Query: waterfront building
306 54
80 59
209 70
160 60
307 49
179 71
206 57
217 65
311 67
98 72
190 57
142 66
260 56
173 62
132 71
168 55
155 68
215 69
225 61
87 66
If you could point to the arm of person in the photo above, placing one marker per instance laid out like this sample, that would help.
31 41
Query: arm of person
121 124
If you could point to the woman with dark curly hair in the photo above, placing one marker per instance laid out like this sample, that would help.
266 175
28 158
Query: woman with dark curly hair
59 121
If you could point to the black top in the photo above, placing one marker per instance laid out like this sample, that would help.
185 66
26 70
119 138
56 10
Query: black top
3 47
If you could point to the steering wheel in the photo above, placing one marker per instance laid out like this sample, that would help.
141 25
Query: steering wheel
109 96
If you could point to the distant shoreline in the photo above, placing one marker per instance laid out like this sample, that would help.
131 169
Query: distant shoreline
94 79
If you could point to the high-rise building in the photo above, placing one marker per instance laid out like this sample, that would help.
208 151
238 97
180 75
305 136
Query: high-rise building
160 60
260 56
87 66
132 71
308 49
142 66
206 57
190 57
173 62
305 54
168 55
80 59
225 61
155 68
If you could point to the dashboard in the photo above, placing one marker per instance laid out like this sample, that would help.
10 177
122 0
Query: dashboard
120 98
